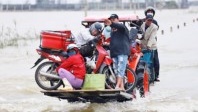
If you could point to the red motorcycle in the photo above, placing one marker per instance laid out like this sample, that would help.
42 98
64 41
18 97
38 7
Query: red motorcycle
138 63
52 47
104 65
140 67
48 79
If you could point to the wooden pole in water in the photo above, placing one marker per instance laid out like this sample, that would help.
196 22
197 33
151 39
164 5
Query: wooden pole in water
177 26
162 32
171 29
184 24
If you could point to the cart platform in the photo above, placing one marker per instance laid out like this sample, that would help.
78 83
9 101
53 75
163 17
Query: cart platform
93 96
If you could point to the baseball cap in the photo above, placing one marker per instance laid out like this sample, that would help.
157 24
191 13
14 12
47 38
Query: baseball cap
149 17
113 16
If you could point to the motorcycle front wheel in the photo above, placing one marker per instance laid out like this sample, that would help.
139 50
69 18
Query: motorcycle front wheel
130 79
143 75
44 82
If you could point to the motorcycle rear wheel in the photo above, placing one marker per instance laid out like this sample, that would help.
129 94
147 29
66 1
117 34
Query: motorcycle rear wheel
47 83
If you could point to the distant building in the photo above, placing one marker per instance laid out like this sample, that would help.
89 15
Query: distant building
10 5
150 3
184 4
110 1
40 2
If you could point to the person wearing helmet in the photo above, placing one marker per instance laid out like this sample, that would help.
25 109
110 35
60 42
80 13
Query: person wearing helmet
95 30
151 11
149 42
119 48
72 70
83 36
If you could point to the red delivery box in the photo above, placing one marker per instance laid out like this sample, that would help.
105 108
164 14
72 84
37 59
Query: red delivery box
57 40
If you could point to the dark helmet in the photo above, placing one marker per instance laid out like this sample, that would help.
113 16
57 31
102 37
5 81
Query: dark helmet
95 29
149 9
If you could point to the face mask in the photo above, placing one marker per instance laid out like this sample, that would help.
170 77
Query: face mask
70 53
108 28
150 13
107 31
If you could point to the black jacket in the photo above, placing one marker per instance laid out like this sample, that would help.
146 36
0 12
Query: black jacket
119 44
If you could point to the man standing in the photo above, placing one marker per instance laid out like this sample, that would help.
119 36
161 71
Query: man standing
149 41
151 11
119 48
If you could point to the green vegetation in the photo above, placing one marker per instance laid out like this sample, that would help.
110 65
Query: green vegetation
11 37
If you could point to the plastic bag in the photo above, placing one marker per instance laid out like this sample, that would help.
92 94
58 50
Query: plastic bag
94 82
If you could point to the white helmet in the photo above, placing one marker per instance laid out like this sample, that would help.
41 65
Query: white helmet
149 9
72 46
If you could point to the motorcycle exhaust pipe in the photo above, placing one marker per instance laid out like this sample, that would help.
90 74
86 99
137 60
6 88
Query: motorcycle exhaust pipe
49 75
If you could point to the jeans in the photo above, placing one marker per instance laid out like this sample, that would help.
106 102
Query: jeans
119 65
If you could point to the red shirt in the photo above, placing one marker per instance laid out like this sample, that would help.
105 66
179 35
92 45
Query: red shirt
76 65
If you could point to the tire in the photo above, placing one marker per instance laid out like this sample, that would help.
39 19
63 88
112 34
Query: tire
142 72
47 83
110 81
146 84
129 86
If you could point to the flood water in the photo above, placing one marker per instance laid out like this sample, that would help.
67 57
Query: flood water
176 92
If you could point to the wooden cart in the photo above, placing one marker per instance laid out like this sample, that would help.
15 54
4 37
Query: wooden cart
93 96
